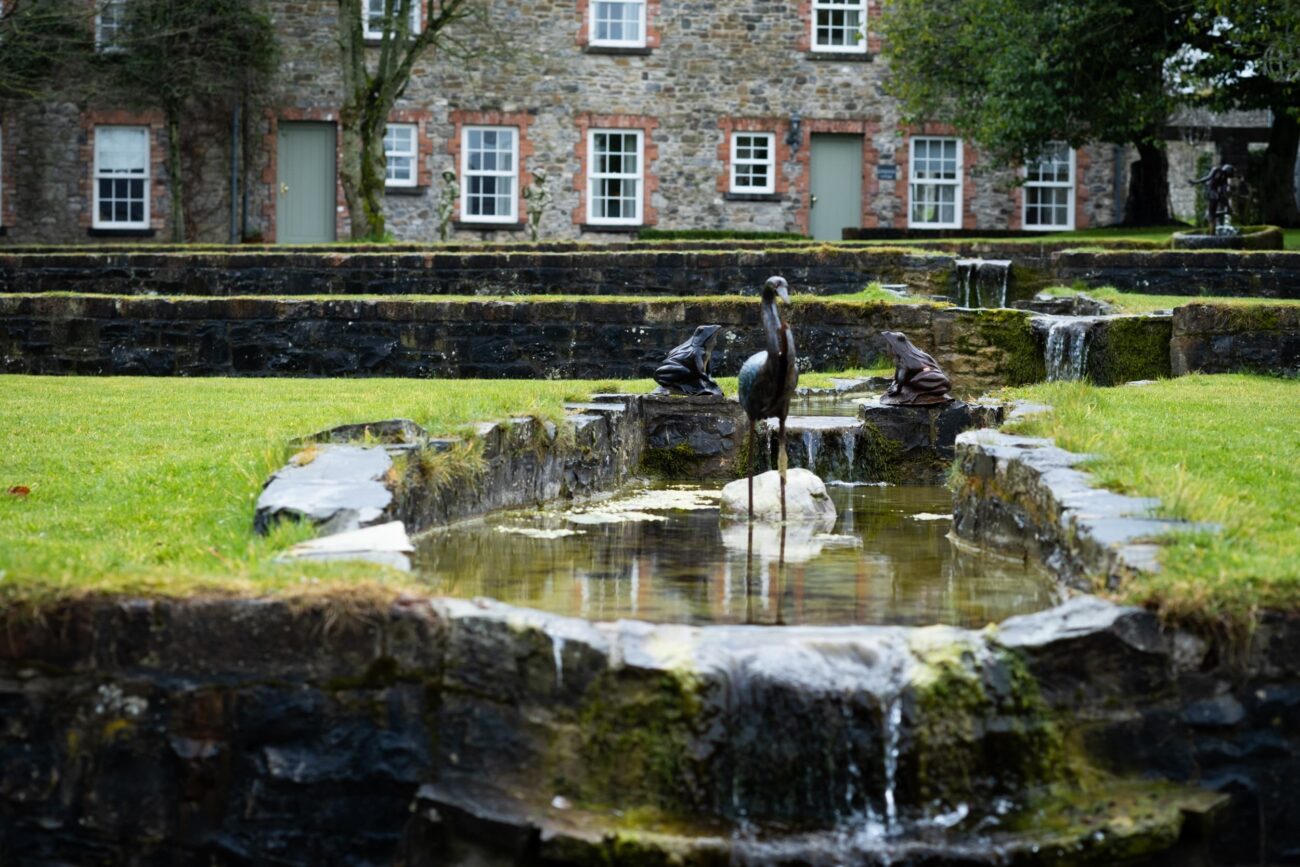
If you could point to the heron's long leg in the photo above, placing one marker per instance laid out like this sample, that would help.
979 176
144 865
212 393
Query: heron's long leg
753 456
782 462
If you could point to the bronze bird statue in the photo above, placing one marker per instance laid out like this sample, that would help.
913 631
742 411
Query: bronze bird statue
686 369
918 379
768 380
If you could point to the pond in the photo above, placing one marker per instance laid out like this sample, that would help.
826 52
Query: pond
663 555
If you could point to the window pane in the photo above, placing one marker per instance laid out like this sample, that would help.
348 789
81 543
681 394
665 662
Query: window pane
617 20
122 149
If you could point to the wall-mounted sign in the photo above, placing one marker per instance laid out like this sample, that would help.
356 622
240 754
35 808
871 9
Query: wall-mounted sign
887 172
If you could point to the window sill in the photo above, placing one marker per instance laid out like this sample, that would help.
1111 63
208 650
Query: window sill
405 191
121 233
842 56
616 229
470 226
751 197
619 50
376 41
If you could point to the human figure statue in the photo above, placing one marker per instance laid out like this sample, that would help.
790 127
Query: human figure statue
686 369
1216 194
447 203
538 196
918 379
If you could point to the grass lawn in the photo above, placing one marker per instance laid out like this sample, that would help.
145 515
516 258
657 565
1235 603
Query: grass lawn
1224 449
1134 302
145 485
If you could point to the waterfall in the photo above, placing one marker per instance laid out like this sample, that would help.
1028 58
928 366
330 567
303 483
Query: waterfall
1067 348
893 723
828 439
982 282
557 647
810 440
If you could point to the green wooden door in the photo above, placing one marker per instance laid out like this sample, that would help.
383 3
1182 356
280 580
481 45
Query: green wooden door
836 201
305 197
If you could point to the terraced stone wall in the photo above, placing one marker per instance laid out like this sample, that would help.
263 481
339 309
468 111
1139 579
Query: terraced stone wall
1220 339
1238 274
466 271
102 335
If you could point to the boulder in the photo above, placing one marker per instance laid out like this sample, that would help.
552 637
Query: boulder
805 497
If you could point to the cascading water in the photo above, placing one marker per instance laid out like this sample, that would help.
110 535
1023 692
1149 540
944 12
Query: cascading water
982 282
1066 348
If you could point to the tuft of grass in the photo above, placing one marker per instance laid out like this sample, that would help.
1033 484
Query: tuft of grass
874 293
1136 302
1223 449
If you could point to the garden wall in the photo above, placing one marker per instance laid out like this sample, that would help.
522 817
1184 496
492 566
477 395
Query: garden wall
466 271
1222 339
480 339
1256 275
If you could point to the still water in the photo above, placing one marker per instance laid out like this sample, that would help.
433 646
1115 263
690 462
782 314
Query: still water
663 555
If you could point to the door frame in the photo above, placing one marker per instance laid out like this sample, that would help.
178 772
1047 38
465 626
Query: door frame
271 144
870 158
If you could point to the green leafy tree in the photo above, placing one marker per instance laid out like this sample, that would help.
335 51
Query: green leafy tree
376 72
1014 75
1245 54
188 56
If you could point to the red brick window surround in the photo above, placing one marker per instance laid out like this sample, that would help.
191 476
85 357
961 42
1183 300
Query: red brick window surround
155 180
1082 161
966 159
8 186
271 172
523 149
827 22
778 128
422 120
648 157
870 157
618 26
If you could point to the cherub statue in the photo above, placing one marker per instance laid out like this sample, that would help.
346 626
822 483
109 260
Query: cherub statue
918 379
686 369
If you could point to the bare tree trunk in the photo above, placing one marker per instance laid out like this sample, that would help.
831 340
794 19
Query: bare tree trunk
1276 184
1148 187
174 177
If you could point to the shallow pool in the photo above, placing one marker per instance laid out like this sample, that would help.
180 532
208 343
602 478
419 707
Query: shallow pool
664 555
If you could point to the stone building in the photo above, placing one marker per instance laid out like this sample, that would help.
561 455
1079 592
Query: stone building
677 114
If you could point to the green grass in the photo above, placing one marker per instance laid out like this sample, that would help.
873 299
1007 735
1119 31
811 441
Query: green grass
143 485
1223 449
1134 302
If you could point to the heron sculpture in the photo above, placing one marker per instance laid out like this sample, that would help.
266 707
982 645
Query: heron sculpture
768 381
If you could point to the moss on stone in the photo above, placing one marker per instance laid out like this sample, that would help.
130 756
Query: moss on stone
634 742
1132 349
674 463
981 726
877 458
1010 334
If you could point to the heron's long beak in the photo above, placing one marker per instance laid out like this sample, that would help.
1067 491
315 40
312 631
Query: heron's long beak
782 293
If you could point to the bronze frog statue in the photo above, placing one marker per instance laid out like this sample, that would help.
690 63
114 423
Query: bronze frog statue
918 379
686 369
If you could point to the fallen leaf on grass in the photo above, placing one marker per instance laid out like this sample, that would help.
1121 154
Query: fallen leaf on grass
19 491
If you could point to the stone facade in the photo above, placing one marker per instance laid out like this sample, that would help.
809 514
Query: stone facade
707 69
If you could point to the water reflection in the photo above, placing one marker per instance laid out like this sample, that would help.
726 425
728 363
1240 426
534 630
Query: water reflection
877 564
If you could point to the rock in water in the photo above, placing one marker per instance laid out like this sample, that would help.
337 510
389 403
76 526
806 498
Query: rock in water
805 497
